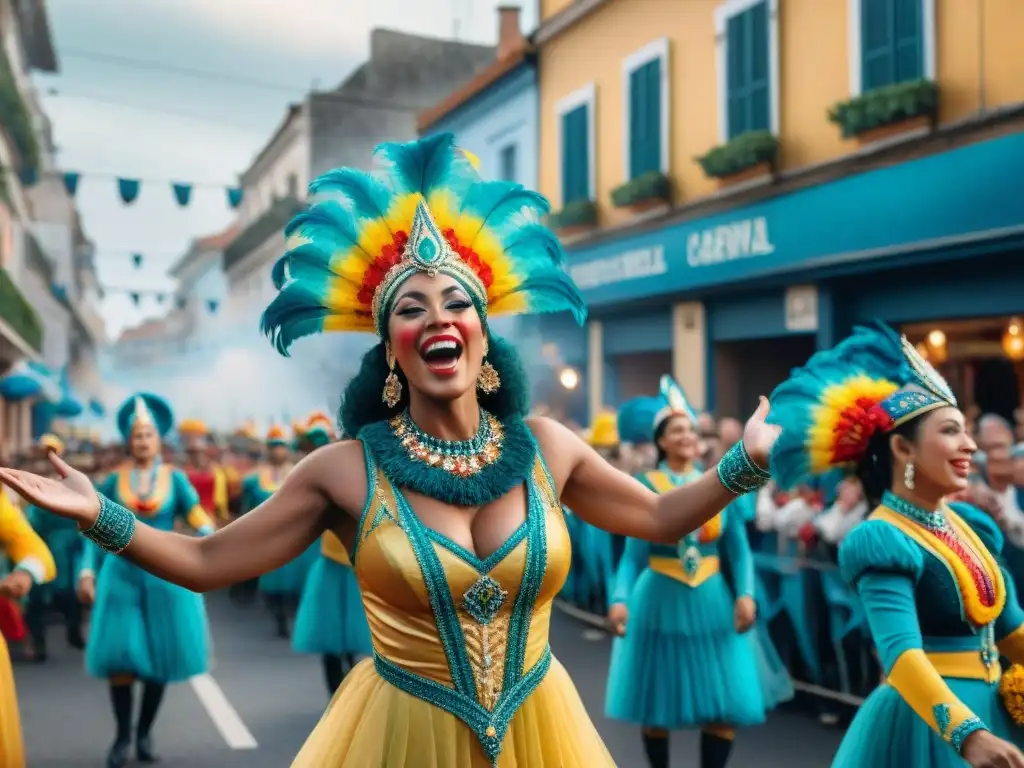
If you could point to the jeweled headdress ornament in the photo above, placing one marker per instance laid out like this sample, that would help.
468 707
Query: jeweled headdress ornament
829 409
674 403
427 211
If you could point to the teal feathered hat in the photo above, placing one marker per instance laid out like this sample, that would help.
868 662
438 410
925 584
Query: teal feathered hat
636 417
672 403
428 210
829 409
144 408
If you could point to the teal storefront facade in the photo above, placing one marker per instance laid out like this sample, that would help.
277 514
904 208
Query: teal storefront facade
935 238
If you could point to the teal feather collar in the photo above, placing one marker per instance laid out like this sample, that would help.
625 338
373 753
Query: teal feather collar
511 469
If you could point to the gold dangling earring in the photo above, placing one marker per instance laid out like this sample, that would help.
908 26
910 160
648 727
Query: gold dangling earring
392 386
488 380
908 476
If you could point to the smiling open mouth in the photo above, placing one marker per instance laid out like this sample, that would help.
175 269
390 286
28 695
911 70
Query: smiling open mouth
441 354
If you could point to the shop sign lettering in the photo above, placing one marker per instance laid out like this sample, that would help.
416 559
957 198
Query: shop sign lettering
631 265
741 239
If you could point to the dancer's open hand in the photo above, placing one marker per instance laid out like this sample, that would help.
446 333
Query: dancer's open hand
618 615
16 585
71 495
759 436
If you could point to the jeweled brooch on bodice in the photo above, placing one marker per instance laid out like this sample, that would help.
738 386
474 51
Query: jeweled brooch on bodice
462 458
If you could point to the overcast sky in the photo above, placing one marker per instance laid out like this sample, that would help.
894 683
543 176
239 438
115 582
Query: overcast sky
120 109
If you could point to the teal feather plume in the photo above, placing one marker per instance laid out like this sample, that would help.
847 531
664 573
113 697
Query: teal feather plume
365 195
426 166
874 352
635 419
503 207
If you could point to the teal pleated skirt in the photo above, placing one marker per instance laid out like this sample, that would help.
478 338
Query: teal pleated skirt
331 618
290 578
887 733
145 626
776 683
681 663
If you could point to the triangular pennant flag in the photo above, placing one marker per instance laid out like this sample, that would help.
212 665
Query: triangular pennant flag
160 298
235 195
182 193
28 176
135 299
211 305
182 302
128 189
137 260
71 182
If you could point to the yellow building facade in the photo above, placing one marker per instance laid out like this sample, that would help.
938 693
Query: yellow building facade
645 101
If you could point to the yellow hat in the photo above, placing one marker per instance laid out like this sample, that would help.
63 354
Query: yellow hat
193 427
52 443
277 435
604 431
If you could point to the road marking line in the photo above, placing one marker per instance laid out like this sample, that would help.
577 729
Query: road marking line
224 716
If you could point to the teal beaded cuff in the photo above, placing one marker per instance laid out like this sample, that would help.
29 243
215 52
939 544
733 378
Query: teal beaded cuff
113 529
738 472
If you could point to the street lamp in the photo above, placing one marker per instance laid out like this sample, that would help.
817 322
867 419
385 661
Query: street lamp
568 378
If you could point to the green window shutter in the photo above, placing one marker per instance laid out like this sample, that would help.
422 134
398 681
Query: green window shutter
909 40
575 156
747 71
737 48
645 118
892 42
509 163
878 66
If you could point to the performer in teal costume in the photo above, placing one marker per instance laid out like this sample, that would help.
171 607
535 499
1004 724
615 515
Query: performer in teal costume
64 541
144 628
282 587
940 608
331 621
680 661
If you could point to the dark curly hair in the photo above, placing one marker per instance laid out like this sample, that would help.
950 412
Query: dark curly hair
361 403
874 470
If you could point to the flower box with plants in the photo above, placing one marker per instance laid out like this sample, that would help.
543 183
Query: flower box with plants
887 111
18 313
16 121
746 157
576 217
646 191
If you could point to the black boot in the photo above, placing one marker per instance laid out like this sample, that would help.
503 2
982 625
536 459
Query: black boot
279 611
152 697
714 750
72 610
656 749
333 672
121 699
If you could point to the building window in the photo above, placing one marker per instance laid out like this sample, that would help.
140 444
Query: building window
509 163
645 84
576 145
748 72
293 185
895 45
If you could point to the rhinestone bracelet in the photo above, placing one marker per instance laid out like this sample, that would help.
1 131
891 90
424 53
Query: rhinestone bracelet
113 529
738 472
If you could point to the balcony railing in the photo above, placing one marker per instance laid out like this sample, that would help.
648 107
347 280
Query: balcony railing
271 221
18 313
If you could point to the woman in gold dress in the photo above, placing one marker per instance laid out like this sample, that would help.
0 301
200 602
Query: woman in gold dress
33 565
449 499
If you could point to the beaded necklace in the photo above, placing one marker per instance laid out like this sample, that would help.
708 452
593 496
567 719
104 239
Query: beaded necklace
143 501
474 472
938 525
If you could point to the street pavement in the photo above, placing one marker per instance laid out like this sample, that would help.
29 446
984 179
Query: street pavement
261 700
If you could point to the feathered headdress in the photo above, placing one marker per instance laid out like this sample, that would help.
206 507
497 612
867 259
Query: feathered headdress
276 435
427 211
636 417
319 429
193 428
674 403
144 408
604 432
829 409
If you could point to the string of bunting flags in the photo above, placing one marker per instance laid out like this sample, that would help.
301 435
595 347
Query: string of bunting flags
129 189
137 294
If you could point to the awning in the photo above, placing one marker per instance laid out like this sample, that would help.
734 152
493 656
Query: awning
30 379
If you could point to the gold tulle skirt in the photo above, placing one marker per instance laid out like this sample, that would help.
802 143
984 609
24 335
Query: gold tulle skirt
12 754
370 722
